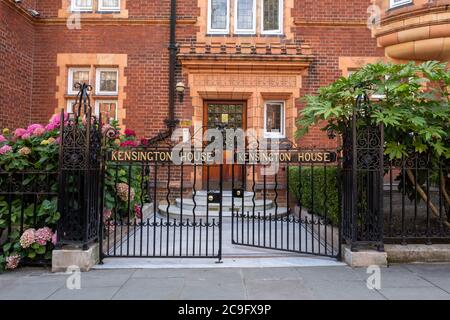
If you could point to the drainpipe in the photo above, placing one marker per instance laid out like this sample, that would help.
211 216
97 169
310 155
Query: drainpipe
170 122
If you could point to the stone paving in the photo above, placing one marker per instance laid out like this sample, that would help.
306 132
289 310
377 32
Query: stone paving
430 281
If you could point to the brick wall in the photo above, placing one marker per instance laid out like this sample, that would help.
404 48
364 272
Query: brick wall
333 28
16 66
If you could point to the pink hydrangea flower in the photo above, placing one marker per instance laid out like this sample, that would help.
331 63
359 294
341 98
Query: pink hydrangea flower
2 138
19 132
28 238
138 211
129 143
33 127
12 261
130 133
43 235
26 136
5 149
55 238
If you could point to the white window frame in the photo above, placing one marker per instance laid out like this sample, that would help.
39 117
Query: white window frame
244 31
70 90
74 8
101 7
275 135
97 82
392 4
97 107
209 21
69 108
280 19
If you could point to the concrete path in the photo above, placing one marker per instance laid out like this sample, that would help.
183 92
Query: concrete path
328 282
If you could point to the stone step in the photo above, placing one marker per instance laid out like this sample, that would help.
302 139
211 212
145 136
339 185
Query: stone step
188 204
174 212
201 195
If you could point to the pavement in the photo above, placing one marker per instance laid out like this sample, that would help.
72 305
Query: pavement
414 281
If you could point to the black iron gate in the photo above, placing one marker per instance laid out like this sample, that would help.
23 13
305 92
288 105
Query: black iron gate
139 202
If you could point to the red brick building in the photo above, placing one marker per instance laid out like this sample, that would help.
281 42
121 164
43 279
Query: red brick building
245 62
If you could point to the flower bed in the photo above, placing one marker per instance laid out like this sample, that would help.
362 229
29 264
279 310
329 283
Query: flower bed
29 189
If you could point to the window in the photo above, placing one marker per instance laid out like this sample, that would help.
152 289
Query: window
77 75
274 119
245 16
108 109
218 16
397 3
106 82
109 5
70 106
272 17
81 5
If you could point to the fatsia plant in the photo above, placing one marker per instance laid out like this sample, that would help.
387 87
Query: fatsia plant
410 100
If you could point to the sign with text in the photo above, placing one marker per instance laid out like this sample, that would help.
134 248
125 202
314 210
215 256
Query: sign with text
294 156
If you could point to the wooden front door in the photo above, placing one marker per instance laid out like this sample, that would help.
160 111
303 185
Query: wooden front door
228 114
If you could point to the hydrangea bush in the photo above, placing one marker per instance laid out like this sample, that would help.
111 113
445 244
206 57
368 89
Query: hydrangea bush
36 149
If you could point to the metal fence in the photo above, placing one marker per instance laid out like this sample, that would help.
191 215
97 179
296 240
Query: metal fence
27 200
416 200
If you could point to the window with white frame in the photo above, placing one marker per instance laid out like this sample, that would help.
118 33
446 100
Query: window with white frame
245 16
272 17
82 5
77 75
70 106
107 81
109 5
397 3
107 108
218 16
274 121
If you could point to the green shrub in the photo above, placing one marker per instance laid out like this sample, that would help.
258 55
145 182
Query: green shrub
322 198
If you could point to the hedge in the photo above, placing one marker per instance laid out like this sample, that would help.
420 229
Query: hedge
325 195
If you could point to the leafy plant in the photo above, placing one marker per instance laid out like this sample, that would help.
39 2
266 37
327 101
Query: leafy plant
413 106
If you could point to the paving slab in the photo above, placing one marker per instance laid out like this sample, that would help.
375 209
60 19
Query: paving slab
85 293
277 290
213 290
430 293
149 289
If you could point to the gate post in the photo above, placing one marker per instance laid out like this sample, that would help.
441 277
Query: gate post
79 200
362 188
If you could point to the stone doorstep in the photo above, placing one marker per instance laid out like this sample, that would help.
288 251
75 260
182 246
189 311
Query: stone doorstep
417 253
84 259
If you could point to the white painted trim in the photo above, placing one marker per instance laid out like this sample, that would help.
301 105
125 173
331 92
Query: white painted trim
244 31
392 3
70 79
101 7
74 8
218 31
275 135
97 107
280 19
97 82
69 108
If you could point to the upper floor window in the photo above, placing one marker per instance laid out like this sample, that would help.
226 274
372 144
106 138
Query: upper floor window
77 75
109 5
397 3
245 15
89 5
272 16
107 81
218 17
82 5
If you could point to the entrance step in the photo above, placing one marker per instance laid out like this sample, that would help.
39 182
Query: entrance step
175 212
227 205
